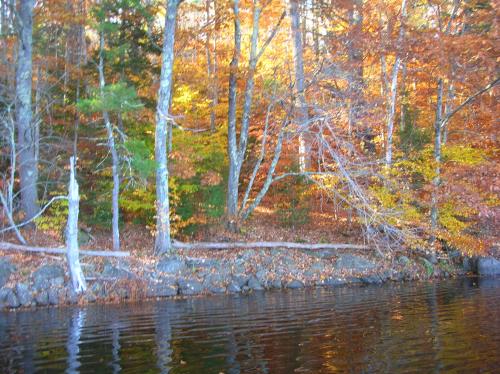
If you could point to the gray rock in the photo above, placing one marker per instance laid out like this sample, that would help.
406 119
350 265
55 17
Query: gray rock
276 283
254 284
171 265
23 294
11 300
353 280
488 266
119 272
201 263
53 296
217 289
372 279
161 289
98 289
233 288
190 287
46 275
241 279
6 269
333 282
42 298
353 263
262 275
469 264
295 284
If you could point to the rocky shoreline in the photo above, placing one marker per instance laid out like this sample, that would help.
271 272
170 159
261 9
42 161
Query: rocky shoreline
242 271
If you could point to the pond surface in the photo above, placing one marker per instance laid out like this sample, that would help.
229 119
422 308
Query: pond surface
447 326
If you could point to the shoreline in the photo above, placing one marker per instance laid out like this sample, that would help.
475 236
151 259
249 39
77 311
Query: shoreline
194 273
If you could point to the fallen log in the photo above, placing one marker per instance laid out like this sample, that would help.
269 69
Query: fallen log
250 245
5 246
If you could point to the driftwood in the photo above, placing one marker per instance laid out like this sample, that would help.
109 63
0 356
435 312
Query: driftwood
5 246
291 245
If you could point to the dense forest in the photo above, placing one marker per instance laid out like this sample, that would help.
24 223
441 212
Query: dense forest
356 121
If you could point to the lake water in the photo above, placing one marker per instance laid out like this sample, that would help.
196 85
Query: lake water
447 326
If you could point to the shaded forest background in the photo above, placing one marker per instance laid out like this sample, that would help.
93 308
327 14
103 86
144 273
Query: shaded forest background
317 120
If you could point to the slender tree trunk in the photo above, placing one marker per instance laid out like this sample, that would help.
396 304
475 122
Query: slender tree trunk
115 161
28 168
211 62
298 59
391 107
403 96
72 255
232 145
437 157
391 110
356 82
163 241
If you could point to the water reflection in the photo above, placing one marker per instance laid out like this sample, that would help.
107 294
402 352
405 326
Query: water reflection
433 327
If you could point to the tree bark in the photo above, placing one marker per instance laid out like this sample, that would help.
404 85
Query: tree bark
115 161
28 168
437 157
163 244
72 255
298 59
232 147
257 245
391 107
6 246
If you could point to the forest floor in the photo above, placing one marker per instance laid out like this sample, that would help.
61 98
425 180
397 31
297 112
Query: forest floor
42 279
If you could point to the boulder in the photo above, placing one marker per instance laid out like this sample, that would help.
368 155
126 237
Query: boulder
161 289
11 300
171 265
295 284
254 284
488 266
23 294
6 269
233 287
48 276
53 296
118 272
241 279
276 283
42 298
372 279
190 287
333 282
353 263
4 292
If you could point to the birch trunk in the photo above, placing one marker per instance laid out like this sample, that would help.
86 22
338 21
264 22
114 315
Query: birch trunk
115 161
298 59
232 147
72 255
437 157
163 242
28 168
391 107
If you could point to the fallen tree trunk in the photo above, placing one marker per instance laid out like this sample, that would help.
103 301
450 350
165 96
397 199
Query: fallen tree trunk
5 246
291 245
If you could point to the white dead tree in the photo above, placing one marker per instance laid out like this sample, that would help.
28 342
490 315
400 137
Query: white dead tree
72 255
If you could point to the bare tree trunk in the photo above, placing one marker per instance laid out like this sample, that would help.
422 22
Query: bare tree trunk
28 168
437 157
115 161
212 62
356 82
72 255
403 95
391 107
163 243
298 59
232 145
